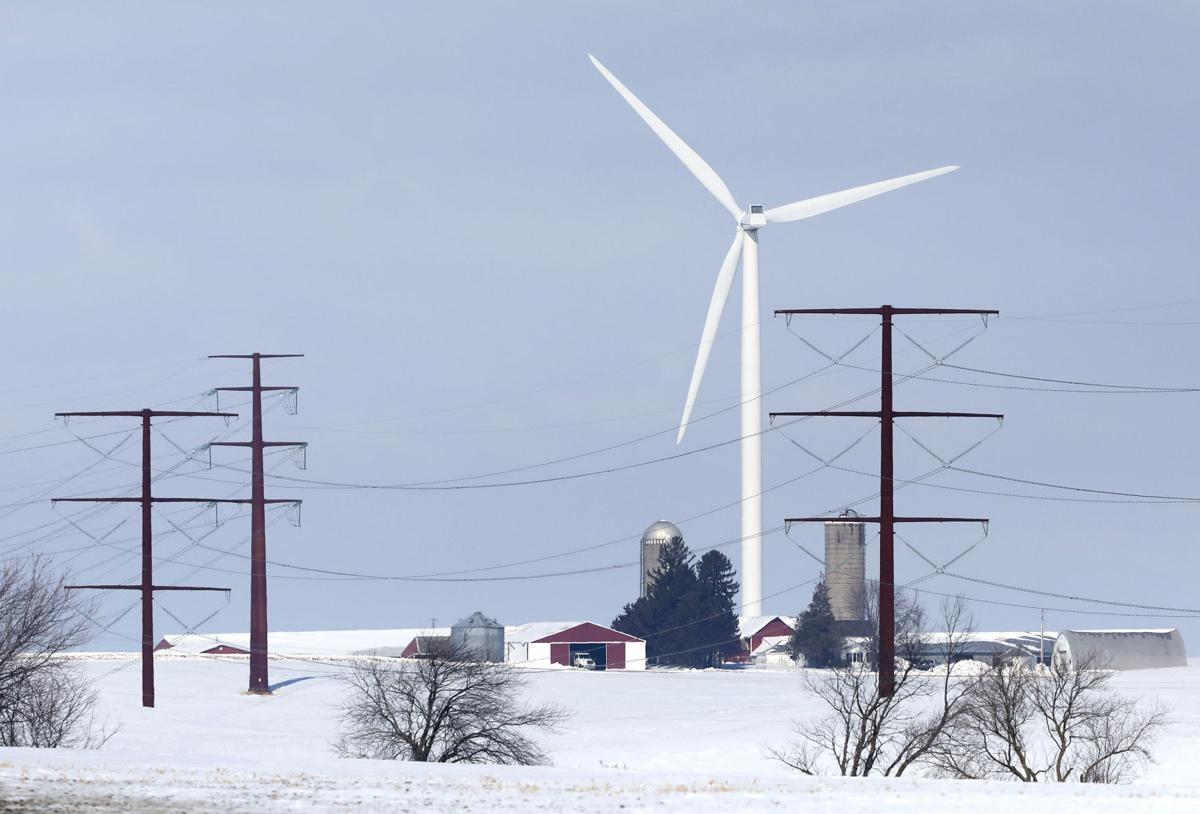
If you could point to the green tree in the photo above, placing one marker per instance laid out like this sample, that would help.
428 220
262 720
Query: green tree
687 615
816 637
718 589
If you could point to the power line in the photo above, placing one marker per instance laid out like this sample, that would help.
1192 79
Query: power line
886 416
939 571
1088 387
1075 383
98 510
1061 595
1120 310
446 485
1065 487
259 682
147 587
535 391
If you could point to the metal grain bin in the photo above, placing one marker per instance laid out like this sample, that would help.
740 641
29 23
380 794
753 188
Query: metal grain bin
478 638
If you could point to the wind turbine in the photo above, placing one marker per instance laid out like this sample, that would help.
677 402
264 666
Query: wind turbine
745 247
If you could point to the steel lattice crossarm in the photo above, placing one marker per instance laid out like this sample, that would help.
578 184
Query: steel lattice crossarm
887 310
887 516
879 414
166 500
259 682
147 500
142 413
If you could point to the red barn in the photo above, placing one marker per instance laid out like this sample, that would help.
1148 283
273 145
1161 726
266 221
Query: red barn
755 629
547 643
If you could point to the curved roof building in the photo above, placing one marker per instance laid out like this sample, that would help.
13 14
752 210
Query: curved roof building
1121 649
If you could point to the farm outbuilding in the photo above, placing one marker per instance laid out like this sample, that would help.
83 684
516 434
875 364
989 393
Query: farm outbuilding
1121 649
422 646
543 644
989 647
755 630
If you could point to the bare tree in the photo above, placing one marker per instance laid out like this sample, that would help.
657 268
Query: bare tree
441 709
52 708
865 733
44 701
909 623
1054 725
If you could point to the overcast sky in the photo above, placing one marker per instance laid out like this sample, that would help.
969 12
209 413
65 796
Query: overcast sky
491 263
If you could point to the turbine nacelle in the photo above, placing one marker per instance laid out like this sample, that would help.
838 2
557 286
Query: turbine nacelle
754 217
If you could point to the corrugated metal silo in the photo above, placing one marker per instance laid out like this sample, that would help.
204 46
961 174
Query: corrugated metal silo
846 566
657 535
478 637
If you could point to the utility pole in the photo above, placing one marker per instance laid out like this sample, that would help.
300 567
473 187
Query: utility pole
1042 640
887 516
259 683
147 500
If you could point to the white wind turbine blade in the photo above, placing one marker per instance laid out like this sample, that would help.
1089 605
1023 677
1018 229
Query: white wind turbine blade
824 203
690 158
715 306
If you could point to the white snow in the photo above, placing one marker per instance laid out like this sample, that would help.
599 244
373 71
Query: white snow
308 642
655 740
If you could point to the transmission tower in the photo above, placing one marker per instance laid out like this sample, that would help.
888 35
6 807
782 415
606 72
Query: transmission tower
259 683
147 501
887 517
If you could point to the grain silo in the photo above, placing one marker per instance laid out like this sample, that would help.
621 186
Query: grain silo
659 534
478 638
846 566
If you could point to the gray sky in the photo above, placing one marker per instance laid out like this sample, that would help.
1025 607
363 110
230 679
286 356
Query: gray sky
490 263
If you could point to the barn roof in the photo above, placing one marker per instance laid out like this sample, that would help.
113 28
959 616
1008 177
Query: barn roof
749 625
565 631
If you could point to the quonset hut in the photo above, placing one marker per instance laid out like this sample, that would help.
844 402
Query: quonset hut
1121 649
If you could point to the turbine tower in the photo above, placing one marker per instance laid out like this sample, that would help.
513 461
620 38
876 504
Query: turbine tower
745 248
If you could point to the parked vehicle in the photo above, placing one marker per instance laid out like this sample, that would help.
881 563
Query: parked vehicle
583 661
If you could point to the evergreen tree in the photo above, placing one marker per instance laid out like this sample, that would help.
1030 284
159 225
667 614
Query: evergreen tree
686 616
718 588
672 596
816 637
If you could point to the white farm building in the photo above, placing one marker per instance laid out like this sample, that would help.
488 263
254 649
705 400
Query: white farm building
1121 649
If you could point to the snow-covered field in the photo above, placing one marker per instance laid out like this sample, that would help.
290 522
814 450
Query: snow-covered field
658 740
